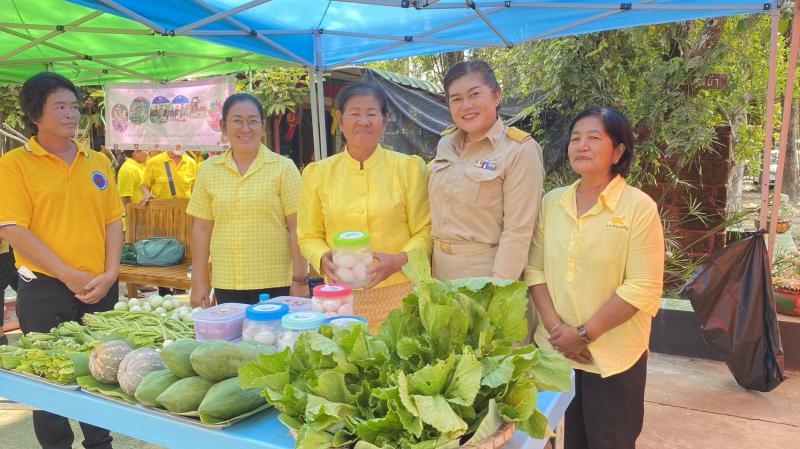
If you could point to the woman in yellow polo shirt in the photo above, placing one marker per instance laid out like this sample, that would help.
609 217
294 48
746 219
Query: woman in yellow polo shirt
244 206
366 188
596 272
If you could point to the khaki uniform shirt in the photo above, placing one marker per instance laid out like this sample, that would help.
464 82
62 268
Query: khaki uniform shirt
484 198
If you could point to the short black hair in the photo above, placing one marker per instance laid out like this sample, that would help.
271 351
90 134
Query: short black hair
238 98
618 128
464 68
35 90
128 153
362 89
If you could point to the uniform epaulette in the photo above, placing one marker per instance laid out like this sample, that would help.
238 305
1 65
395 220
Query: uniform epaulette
517 134
448 130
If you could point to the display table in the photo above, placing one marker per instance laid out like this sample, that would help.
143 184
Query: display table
263 431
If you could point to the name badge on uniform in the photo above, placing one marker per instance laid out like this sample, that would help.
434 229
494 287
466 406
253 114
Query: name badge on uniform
487 164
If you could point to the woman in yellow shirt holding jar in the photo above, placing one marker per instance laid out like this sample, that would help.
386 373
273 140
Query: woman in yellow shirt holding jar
370 189
596 273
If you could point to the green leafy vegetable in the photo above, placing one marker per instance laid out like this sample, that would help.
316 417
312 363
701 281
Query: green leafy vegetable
446 369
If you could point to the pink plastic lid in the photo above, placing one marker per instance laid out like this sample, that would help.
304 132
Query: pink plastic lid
332 291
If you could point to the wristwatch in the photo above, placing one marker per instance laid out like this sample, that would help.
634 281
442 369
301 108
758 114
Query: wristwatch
302 280
584 334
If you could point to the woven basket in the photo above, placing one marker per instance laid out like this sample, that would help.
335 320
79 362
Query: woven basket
375 304
496 441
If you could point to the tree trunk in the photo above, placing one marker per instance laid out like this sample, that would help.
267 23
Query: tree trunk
737 172
443 62
791 177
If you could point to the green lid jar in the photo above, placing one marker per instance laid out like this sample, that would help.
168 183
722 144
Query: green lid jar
353 258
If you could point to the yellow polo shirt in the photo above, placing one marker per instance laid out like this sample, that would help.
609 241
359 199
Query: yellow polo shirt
183 175
388 198
129 179
4 248
66 207
617 247
250 240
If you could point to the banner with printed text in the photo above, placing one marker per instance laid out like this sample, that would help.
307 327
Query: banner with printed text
181 115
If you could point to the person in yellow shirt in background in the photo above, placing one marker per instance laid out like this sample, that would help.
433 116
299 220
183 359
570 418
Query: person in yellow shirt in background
169 174
8 278
244 206
129 178
60 211
596 274
370 189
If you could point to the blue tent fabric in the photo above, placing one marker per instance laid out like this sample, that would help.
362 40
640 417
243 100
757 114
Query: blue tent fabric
325 34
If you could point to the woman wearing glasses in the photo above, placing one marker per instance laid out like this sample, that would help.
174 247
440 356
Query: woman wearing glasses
244 206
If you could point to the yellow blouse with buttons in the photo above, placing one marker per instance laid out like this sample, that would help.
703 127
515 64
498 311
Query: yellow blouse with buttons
388 198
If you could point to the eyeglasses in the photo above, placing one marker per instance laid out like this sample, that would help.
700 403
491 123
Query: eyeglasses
252 123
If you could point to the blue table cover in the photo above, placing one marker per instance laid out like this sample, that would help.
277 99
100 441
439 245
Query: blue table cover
262 431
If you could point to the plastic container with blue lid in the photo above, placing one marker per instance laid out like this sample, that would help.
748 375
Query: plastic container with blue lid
344 321
262 323
295 324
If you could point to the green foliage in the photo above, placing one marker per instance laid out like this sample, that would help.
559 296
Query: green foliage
279 89
10 111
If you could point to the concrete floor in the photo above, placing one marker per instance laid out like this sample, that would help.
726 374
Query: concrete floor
690 404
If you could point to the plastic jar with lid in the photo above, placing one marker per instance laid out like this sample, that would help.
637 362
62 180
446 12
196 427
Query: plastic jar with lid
262 323
294 324
353 257
332 300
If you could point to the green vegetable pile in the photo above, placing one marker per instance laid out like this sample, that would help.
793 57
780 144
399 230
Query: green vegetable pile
145 329
445 370
56 366
52 355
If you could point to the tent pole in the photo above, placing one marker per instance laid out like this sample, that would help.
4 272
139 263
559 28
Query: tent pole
132 15
219 16
34 42
323 130
319 59
785 124
770 122
312 87
258 36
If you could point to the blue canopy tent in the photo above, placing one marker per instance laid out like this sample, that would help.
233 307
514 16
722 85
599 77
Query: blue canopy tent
325 34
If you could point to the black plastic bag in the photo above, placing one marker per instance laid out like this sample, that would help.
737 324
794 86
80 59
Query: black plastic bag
732 294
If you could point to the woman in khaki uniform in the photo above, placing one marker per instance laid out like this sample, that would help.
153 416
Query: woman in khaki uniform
485 183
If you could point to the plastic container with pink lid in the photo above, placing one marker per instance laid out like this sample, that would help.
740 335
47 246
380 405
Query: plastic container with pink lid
332 300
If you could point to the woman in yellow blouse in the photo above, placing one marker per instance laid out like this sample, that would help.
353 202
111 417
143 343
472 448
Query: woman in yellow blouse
244 206
371 189
596 272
